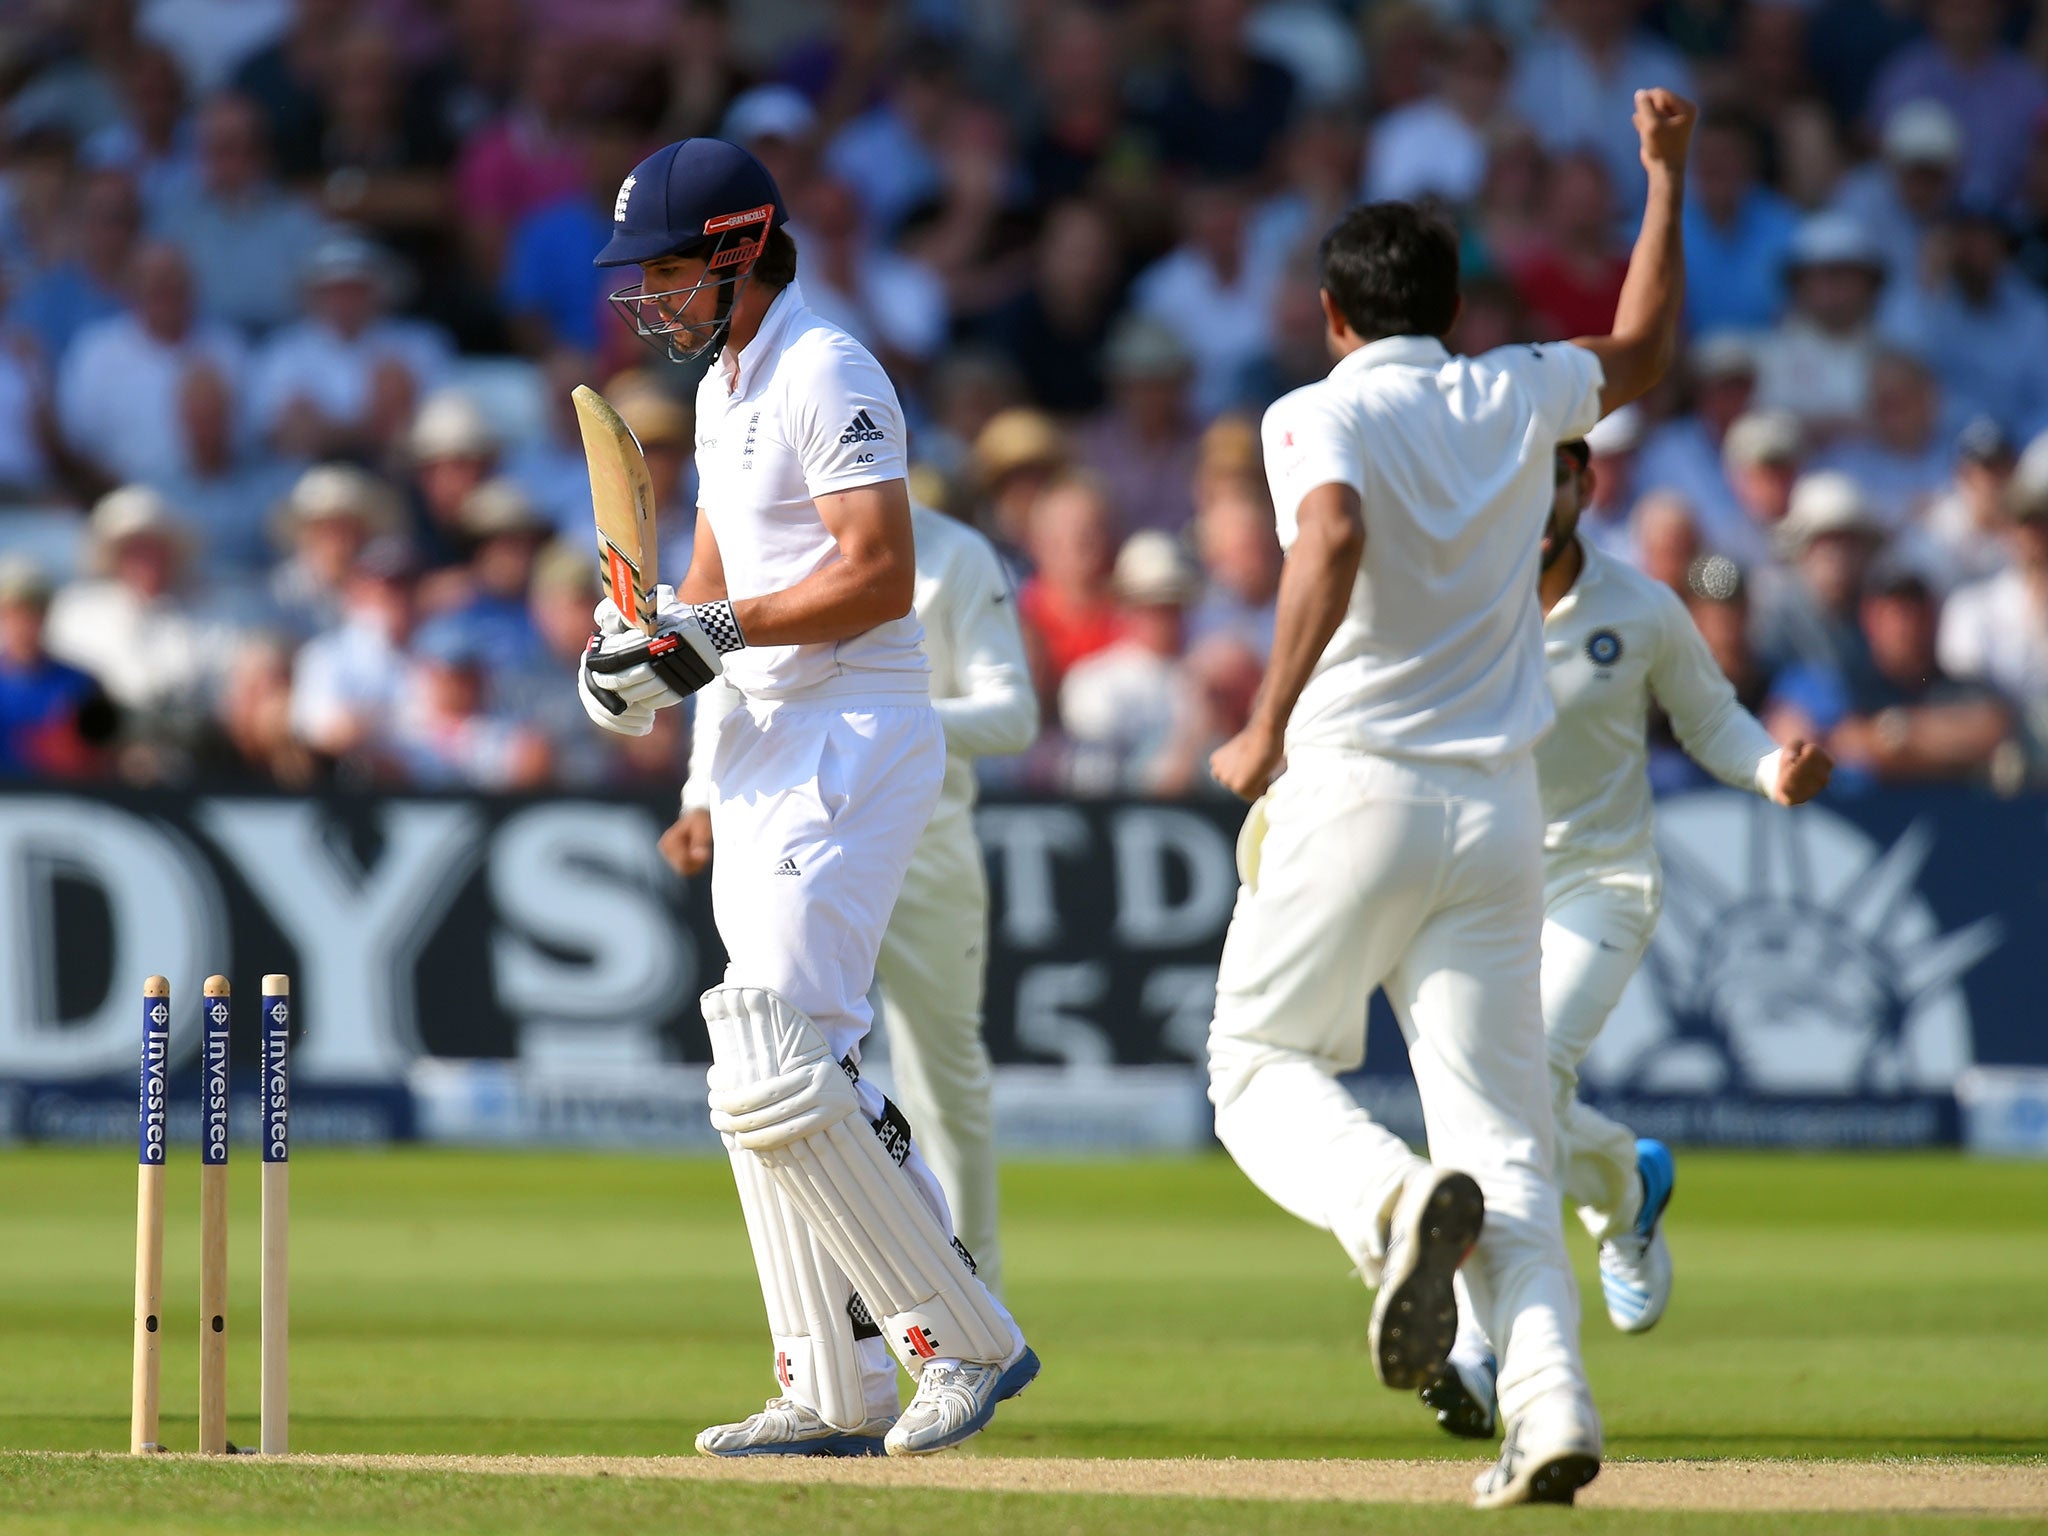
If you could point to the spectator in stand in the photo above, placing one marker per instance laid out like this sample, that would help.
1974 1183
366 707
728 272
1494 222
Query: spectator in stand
1056 330
1608 454
1220 109
1214 290
1764 452
384 156
1996 93
1145 446
347 379
132 624
1296 352
1828 539
1816 363
287 82
247 239
76 93
487 597
55 719
1120 705
780 126
1737 231
664 426
893 304
1067 604
1240 554
477 80
212 38
1438 146
1961 539
121 391
893 152
528 157
553 297
449 733
1903 197
331 515
1571 281
251 737
90 280
549 465
970 387
1664 539
1079 123
1908 721
704 78
1685 453
347 684
1903 459
453 449
1980 324
2030 214
36 195
1576 81
1996 630
28 438
152 142
543 693
1017 457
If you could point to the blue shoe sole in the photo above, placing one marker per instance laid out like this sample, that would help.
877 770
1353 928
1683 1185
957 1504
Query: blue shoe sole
832 1445
1660 1181
1021 1373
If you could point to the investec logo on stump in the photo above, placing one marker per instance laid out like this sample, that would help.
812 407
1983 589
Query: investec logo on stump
156 1051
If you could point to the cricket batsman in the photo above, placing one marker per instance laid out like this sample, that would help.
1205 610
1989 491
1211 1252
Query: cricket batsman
821 781
935 950
1614 641
1401 847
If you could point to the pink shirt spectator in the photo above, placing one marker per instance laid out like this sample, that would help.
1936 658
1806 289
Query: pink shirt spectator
512 168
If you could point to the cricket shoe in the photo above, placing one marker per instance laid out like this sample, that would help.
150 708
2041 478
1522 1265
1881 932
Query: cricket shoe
1635 1268
787 1427
1436 1221
1546 1459
954 1401
1462 1393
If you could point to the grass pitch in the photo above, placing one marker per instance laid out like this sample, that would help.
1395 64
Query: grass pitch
463 1304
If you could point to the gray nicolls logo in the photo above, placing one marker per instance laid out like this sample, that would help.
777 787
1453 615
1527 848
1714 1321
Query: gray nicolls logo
861 429
1795 956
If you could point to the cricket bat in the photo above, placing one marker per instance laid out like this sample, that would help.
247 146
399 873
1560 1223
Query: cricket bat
622 499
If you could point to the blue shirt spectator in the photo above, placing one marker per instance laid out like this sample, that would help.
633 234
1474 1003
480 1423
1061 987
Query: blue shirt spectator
1996 94
1737 234
549 282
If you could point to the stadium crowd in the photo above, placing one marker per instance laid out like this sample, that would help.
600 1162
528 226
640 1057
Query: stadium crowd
295 290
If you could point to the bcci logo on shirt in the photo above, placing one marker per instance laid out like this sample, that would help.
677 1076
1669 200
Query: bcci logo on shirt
1603 647
1795 957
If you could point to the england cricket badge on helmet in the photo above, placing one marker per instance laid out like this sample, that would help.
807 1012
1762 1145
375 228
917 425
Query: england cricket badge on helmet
701 200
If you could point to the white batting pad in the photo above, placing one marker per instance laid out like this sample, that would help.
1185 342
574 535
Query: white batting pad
817 1359
850 1190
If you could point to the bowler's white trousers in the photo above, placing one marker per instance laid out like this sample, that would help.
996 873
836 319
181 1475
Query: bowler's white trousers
931 968
816 807
1425 878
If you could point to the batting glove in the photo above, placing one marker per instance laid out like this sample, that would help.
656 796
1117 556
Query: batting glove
605 708
681 656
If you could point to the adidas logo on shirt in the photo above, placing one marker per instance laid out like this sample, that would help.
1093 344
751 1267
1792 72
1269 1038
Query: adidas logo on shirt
787 867
861 429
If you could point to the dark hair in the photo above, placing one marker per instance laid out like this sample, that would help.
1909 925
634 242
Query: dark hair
1578 451
1392 270
776 265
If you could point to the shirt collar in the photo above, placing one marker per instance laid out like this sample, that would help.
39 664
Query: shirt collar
1591 559
742 368
1411 351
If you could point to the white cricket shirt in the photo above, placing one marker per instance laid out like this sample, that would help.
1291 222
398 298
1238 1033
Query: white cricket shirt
980 679
1440 652
801 411
1613 643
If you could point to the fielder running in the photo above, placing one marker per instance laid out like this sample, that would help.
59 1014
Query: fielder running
1402 845
821 781
934 952
1613 641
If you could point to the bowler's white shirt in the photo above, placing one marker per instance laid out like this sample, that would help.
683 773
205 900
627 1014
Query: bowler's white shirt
980 679
1440 653
803 410
1613 643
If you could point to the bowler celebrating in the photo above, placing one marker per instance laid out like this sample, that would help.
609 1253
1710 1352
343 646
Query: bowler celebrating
1613 641
1401 846
821 779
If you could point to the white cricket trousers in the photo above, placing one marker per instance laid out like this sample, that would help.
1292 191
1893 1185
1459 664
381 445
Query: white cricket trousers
1425 878
932 969
1594 934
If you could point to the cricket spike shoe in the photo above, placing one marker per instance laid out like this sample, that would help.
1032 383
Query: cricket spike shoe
787 1427
1462 1393
1542 1461
955 1399
1635 1268
1436 1221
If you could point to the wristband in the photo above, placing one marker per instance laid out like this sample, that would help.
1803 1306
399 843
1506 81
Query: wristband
719 626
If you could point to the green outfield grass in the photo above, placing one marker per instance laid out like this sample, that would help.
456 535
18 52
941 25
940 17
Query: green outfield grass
555 1304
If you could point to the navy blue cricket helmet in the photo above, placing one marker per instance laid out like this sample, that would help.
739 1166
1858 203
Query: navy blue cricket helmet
699 198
